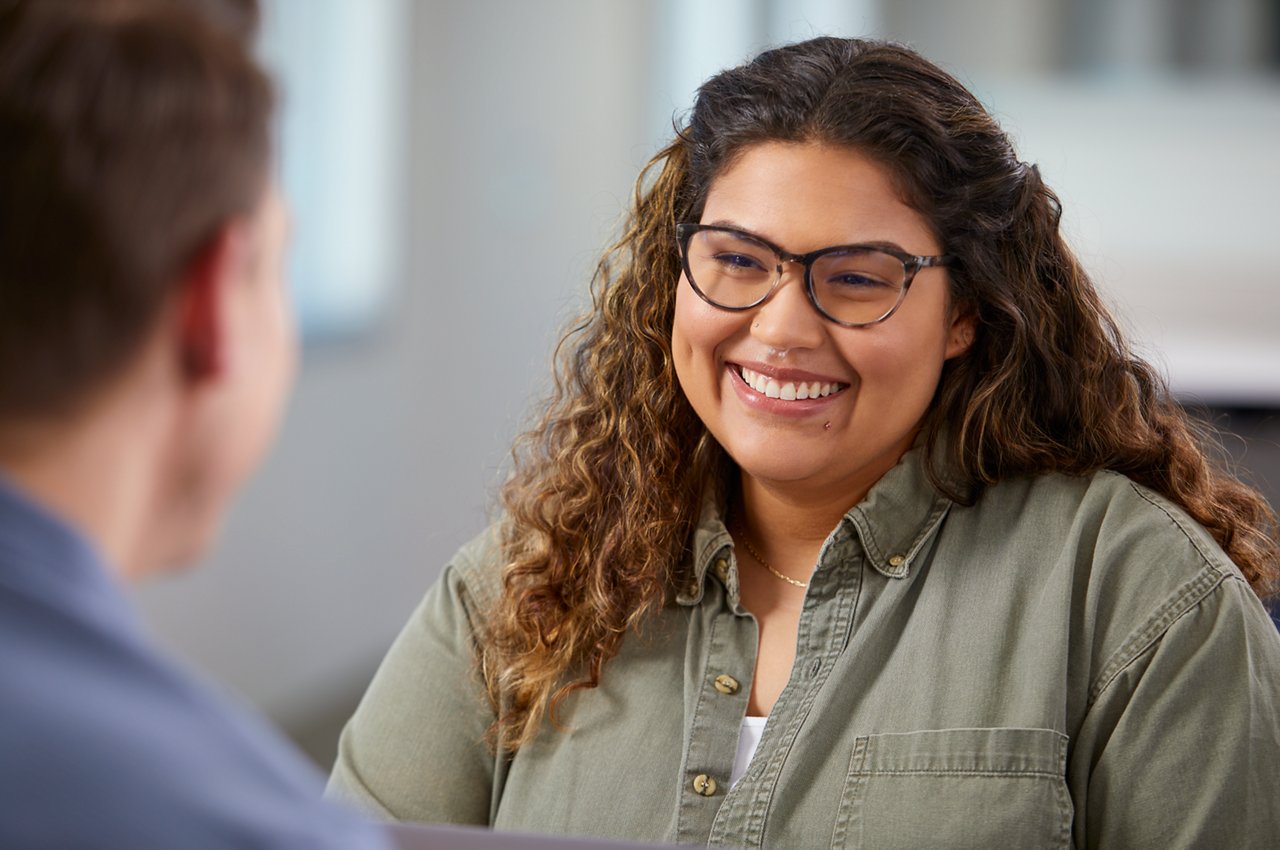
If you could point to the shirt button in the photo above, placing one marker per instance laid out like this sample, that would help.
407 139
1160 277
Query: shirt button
722 568
896 560
726 684
704 785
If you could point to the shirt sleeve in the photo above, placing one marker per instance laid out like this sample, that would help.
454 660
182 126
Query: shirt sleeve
1181 745
415 748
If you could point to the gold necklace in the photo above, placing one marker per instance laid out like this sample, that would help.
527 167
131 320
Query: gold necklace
788 579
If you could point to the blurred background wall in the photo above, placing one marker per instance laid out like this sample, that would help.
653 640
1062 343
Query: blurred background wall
458 166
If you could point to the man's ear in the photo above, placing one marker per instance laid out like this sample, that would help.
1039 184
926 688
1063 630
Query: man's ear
201 304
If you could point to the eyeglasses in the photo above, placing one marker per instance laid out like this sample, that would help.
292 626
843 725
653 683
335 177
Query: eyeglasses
851 285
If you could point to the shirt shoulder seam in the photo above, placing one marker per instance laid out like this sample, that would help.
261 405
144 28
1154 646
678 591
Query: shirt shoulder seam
1185 598
1153 630
1150 498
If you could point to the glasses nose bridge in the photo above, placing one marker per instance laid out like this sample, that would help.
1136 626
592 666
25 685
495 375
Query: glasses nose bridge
784 258
802 264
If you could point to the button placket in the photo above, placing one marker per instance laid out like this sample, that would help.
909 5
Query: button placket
715 719
824 626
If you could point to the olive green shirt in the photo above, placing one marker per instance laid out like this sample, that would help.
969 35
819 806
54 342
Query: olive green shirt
1068 662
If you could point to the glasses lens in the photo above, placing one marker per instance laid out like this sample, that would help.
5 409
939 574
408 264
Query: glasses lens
858 286
730 269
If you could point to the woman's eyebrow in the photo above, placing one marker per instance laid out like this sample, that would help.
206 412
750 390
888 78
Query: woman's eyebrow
871 243
882 243
733 225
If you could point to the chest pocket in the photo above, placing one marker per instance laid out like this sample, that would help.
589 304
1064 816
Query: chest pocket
956 788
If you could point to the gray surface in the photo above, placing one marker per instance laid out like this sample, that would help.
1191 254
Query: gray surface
420 837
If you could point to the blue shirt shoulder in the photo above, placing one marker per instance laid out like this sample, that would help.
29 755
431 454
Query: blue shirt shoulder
105 742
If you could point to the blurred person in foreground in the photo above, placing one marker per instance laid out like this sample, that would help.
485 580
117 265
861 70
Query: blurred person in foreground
146 347
852 522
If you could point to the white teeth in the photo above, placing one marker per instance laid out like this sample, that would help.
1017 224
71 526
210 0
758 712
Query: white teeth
789 390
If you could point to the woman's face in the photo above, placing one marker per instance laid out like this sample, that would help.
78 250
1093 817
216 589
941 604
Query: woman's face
802 197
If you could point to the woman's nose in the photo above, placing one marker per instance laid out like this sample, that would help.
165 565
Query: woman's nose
787 319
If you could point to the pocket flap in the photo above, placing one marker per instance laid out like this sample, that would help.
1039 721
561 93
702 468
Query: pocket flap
969 751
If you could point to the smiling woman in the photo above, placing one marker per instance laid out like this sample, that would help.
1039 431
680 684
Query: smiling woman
848 448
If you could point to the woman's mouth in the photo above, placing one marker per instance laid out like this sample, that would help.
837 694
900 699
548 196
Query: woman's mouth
788 390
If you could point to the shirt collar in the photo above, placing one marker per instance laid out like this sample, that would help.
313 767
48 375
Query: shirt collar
893 524
898 516
710 551
42 556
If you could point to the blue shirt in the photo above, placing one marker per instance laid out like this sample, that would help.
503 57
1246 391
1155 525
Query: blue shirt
106 743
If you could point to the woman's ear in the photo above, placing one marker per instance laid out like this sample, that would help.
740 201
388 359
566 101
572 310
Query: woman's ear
961 333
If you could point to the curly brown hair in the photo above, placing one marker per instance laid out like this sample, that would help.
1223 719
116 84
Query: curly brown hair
608 484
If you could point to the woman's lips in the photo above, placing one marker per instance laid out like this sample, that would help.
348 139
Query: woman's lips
788 390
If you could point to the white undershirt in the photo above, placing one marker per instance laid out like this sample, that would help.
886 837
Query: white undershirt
748 740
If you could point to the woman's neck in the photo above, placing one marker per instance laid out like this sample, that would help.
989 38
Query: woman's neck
787 522
783 529
775 517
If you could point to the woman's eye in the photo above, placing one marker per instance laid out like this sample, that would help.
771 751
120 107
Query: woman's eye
851 279
739 262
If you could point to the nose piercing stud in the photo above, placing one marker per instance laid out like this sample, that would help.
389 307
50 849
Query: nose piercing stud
826 427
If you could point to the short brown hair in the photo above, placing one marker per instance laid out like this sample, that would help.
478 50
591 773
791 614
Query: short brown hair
130 131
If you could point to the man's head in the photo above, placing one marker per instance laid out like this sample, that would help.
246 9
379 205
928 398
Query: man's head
141 238
130 133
